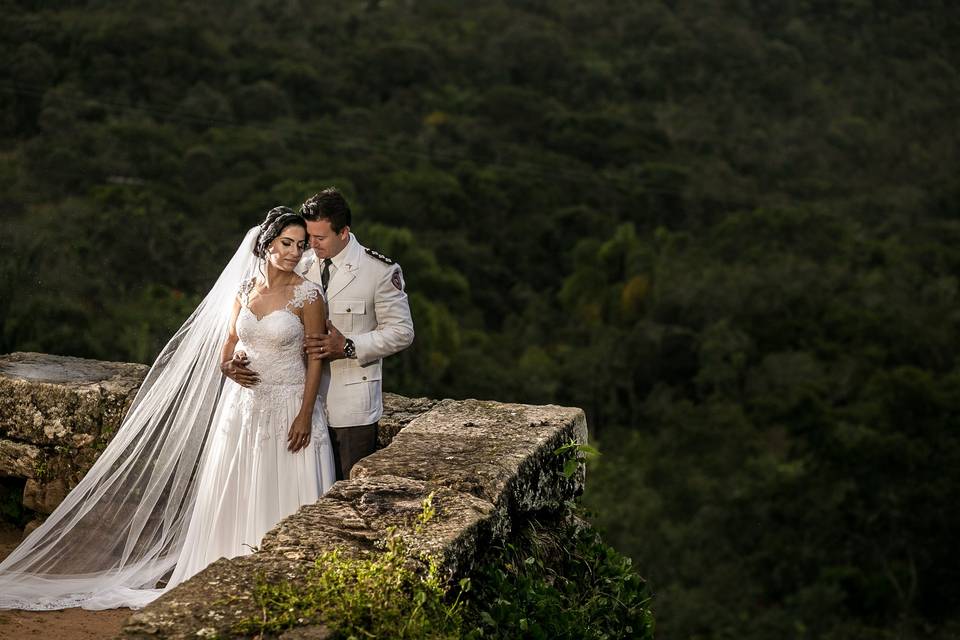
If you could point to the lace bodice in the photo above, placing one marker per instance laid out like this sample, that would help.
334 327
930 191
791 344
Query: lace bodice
274 341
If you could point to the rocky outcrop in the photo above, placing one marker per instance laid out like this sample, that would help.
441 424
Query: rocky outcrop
57 414
485 464
59 400
501 453
398 412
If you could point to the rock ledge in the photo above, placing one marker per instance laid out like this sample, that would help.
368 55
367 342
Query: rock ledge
485 463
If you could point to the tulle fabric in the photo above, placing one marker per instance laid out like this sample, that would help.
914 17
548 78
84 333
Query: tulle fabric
118 536
250 481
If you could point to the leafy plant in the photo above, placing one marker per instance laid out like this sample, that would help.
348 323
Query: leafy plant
379 597
575 454
383 596
558 580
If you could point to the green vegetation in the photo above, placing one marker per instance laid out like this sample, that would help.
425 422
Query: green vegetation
556 580
574 454
729 230
792 459
356 598
384 596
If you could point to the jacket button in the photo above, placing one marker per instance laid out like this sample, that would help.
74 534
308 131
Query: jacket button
348 309
364 378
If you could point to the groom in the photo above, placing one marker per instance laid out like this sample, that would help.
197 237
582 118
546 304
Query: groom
368 320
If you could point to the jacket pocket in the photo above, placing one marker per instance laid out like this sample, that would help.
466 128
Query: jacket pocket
361 387
358 374
343 312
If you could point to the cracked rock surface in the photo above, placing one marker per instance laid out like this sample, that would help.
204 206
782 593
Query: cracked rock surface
57 413
485 463
60 400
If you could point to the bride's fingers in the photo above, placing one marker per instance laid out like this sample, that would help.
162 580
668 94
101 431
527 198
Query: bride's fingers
247 377
294 440
297 441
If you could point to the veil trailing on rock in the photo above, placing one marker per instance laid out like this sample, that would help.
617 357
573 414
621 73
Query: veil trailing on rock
115 539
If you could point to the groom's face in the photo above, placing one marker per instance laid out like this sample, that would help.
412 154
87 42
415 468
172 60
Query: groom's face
324 241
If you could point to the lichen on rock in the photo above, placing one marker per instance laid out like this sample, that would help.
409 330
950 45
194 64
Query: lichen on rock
47 400
56 415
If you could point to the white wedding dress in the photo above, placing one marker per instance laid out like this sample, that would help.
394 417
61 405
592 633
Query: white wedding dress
249 481
198 470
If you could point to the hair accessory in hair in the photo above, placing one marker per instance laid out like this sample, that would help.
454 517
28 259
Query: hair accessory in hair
277 218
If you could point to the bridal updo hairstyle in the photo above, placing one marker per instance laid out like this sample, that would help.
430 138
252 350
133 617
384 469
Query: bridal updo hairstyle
278 219
330 205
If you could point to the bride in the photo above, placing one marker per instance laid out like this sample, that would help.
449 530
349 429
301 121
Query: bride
202 467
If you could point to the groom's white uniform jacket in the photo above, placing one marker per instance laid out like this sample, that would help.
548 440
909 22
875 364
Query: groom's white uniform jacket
366 301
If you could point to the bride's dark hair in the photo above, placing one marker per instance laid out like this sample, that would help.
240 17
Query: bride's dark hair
278 219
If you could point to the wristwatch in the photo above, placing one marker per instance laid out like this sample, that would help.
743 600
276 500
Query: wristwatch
349 350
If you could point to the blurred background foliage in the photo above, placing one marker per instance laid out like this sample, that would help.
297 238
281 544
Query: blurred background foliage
729 230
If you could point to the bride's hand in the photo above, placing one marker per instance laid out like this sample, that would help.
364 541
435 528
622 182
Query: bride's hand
299 435
237 370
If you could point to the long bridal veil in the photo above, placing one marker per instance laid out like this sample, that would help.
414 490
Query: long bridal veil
116 537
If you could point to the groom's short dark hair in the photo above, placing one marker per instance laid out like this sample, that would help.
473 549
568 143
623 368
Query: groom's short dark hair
330 205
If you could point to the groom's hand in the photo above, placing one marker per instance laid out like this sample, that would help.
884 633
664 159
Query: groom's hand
236 369
326 347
